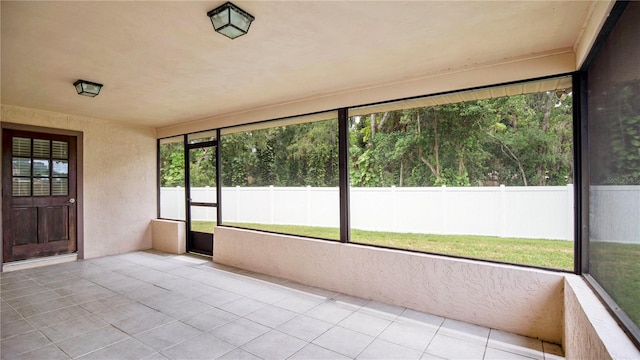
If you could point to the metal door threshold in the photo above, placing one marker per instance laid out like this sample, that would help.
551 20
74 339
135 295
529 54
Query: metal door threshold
34 263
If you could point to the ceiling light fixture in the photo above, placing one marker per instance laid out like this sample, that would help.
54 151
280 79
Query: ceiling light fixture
87 88
230 21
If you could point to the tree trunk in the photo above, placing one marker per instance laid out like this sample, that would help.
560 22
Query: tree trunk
385 117
372 119
548 104
435 170
461 166
510 155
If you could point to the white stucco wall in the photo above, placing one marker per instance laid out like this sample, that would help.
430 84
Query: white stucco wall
515 299
119 178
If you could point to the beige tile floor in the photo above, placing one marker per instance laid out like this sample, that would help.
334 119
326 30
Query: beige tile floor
149 305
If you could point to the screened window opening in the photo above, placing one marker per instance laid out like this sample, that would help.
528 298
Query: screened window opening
613 99
282 176
172 183
482 174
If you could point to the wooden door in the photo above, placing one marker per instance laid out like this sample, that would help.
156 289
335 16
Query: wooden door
39 209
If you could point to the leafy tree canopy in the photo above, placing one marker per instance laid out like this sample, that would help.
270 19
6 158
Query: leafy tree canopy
516 140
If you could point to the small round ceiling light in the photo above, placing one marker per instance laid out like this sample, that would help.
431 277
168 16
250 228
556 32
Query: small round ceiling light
87 88
230 21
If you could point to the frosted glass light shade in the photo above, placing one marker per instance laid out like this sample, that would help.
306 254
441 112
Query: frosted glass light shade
87 88
230 21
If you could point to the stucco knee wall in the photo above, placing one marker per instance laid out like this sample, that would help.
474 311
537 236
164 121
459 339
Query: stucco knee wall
519 300
590 332
169 236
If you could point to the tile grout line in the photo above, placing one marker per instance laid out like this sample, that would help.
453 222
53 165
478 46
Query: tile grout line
434 336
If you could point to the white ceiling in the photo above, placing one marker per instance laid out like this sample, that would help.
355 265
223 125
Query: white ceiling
161 63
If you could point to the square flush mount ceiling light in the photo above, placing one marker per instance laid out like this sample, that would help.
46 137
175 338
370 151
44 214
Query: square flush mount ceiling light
87 88
230 21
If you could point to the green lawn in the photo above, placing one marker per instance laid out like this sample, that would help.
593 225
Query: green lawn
555 254
616 267
203 226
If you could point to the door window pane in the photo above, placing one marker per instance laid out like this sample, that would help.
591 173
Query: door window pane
202 174
41 167
41 148
21 167
203 218
60 187
21 187
60 168
60 150
21 147
41 187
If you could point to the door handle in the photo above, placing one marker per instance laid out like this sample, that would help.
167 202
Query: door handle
72 201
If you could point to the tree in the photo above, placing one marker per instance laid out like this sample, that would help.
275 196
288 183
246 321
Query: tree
514 140
616 135
172 164
313 154
294 155
532 139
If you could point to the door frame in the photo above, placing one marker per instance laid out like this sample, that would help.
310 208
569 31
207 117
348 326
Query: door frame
79 174
188 202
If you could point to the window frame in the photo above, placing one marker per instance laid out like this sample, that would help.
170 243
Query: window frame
582 160
343 165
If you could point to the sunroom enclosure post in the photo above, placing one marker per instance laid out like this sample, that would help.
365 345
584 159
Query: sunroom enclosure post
343 170
218 178
580 174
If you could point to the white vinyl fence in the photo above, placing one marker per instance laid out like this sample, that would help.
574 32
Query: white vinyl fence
522 212
614 213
